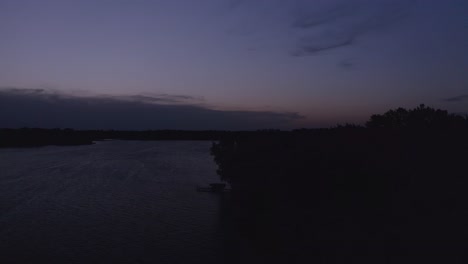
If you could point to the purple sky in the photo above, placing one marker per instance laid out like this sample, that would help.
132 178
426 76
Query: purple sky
289 63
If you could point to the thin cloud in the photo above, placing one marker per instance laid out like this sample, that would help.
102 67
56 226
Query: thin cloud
342 24
313 18
157 98
309 46
148 99
22 90
33 108
346 64
459 98
139 98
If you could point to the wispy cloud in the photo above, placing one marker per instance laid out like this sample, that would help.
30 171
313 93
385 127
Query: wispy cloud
158 98
342 23
312 45
148 98
309 17
41 108
15 90
459 98
346 64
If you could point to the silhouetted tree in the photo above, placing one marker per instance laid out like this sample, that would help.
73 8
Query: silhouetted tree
422 117
348 126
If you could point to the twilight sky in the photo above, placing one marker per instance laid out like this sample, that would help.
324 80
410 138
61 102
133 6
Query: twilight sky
227 64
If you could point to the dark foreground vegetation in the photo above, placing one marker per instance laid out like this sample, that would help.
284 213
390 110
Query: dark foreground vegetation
395 191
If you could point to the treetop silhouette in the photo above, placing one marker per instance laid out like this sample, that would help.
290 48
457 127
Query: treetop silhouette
422 117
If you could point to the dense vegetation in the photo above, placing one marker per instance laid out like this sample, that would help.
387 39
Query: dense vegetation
422 117
394 192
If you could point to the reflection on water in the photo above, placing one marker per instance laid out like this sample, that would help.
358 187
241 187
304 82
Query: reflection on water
114 202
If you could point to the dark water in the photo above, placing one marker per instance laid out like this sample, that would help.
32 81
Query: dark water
113 202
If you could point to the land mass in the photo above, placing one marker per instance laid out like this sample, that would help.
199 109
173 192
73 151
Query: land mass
393 192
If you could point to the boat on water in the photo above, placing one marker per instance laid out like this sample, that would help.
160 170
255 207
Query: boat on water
214 187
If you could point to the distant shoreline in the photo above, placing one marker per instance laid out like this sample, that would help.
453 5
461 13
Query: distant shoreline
39 137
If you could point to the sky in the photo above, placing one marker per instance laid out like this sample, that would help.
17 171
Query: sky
227 64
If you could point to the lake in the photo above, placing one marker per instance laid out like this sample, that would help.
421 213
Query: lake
111 202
